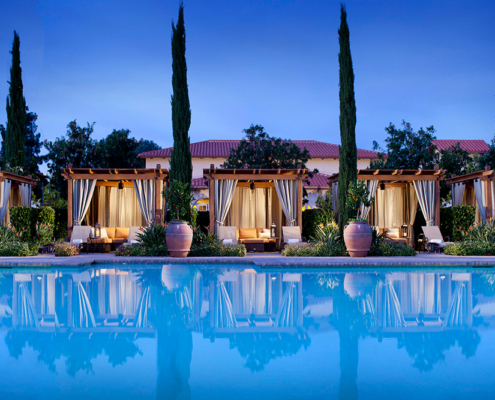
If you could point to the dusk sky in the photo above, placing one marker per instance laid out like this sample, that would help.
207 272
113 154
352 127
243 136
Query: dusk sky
273 63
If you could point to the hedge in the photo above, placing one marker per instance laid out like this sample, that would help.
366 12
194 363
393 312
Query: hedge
60 230
454 218
26 218
310 220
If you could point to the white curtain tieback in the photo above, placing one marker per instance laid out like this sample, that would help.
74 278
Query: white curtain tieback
220 222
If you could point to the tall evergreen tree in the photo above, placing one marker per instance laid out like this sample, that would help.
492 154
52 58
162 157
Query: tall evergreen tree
180 160
348 150
15 152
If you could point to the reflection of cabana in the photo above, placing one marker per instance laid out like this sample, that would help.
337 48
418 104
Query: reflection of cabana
476 188
399 192
251 302
115 197
15 190
254 198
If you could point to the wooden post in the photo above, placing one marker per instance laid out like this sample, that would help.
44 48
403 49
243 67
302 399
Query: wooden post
299 202
437 199
211 201
488 197
69 206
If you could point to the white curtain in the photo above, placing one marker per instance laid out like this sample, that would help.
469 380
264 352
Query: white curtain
224 193
250 208
479 190
335 199
287 194
390 207
458 193
82 194
145 192
4 198
493 199
25 190
425 191
364 211
119 207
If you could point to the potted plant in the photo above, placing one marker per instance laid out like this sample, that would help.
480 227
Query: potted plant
179 233
358 234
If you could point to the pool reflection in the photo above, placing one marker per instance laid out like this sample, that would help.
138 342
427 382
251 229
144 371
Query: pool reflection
263 316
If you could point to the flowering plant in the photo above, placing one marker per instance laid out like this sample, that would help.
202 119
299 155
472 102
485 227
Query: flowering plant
179 201
357 196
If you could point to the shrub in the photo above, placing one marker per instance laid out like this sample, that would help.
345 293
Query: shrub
66 250
152 236
455 220
203 220
314 250
60 224
25 219
18 249
470 248
179 200
208 245
328 233
314 217
389 248
233 250
131 250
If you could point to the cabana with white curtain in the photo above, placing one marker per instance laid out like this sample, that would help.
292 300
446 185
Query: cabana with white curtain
255 198
115 197
475 189
15 190
397 194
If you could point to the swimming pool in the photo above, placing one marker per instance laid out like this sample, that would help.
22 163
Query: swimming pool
220 332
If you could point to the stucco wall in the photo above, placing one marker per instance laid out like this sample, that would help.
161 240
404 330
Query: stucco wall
325 166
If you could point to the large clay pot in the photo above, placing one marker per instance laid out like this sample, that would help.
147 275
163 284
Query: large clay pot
179 237
357 238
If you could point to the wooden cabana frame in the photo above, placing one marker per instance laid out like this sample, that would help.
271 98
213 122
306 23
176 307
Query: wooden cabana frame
111 177
261 178
399 177
485 175
16 179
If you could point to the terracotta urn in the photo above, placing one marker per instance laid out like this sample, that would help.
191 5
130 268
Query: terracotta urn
179 237
357 238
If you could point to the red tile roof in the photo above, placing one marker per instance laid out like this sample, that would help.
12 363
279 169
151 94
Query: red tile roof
317 181
221 149
471 146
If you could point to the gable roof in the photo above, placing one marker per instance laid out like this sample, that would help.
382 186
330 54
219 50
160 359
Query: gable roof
221 149
471 146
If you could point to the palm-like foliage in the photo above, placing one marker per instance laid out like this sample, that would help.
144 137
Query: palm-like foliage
328 234
152 236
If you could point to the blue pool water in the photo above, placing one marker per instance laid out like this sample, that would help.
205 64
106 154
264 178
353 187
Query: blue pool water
206 332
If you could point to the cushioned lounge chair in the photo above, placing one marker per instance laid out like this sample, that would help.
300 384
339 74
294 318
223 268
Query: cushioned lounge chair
291 234
80 235
133 234
434 238
227 233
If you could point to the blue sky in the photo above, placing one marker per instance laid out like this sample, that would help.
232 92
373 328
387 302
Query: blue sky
267 62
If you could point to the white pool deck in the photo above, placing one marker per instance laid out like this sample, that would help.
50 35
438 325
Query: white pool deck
261 260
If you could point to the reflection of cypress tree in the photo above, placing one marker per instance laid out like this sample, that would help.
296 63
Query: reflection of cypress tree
174 347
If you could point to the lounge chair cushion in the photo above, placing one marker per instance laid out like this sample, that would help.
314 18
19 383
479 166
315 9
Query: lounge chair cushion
227 241
133 233
248 233
227 232
121 233
81 232
292 241
291 232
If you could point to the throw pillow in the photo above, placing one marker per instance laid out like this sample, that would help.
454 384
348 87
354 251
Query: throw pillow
293 241
265 235
227 241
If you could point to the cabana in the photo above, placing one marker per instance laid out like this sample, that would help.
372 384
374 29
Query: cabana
115 197
15 190
397 194
255 198
476 188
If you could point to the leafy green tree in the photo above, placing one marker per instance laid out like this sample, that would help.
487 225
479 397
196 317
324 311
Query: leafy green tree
15 152
118 150
260 150
180 160
348 149
77 148
488 158
407 149
455 160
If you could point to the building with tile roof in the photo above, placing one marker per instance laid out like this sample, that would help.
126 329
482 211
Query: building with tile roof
473 147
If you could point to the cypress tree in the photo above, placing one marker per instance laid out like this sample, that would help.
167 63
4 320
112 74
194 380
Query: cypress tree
347 119
15 152
180 160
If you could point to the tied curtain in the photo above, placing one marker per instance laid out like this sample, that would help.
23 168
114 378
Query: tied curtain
287 195
364 211
479 190
25 190
412 208
145 192
4 198
458 194
82 194
224 193
493 198
335 199
425 190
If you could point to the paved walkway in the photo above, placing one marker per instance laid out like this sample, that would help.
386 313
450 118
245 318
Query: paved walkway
262 260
